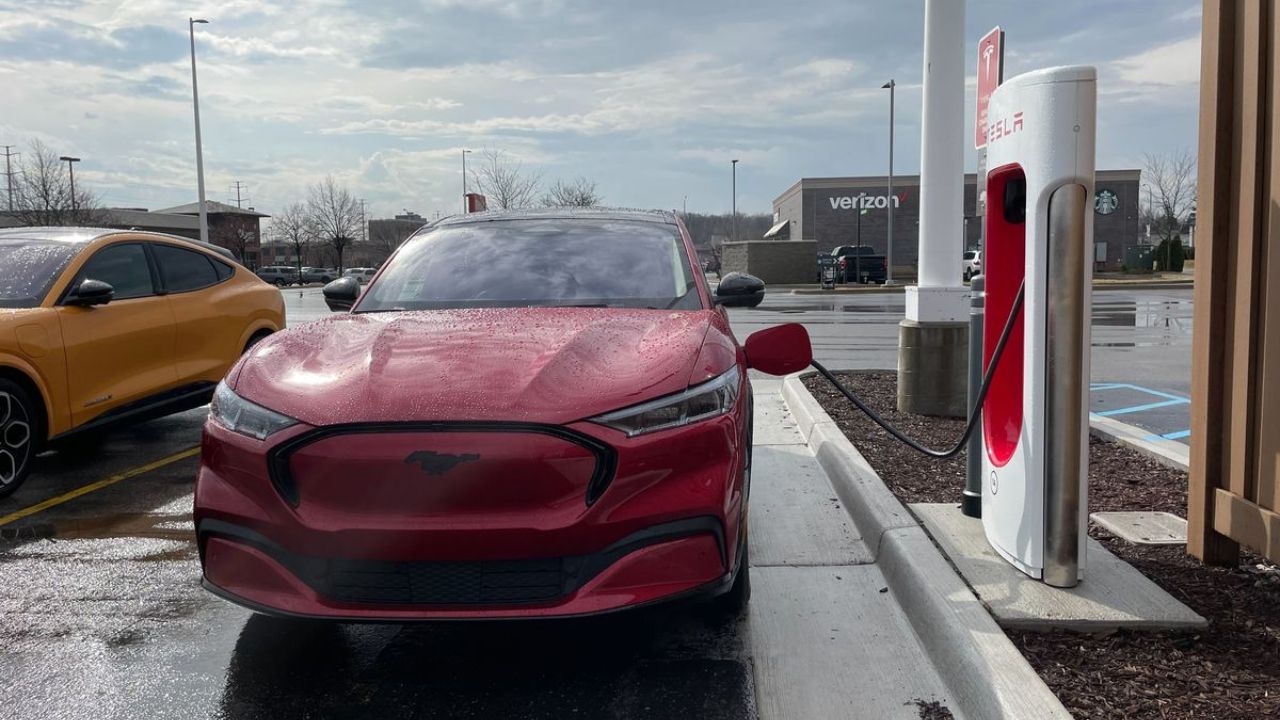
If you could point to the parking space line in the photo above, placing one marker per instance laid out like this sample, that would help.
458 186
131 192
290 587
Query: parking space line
1171 436
1141 408
1137 388
98 485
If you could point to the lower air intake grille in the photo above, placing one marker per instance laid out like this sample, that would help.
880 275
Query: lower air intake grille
453 583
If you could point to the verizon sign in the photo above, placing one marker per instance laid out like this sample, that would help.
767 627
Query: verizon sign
863 201
990 75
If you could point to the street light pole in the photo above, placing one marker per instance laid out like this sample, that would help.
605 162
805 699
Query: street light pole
71 170
888 276
195 101
735 199
465 152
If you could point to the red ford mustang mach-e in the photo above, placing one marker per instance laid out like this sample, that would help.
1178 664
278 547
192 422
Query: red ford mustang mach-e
524 414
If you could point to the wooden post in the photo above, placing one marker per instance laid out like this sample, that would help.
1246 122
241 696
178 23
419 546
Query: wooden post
1209 353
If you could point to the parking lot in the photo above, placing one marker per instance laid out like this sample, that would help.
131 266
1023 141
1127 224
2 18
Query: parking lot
102 615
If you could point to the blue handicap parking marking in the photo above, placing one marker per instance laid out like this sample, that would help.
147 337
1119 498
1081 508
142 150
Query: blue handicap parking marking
1166 400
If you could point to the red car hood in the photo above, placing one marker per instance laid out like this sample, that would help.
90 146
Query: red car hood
550 365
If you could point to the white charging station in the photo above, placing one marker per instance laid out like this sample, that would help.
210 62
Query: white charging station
1039 228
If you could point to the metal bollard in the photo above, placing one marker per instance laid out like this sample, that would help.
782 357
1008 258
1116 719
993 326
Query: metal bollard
971 505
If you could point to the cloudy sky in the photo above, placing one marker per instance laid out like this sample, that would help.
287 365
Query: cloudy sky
650 99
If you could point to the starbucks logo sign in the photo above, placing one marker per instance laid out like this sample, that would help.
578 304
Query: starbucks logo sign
1105 202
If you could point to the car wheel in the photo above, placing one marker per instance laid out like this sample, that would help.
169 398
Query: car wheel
257 338
20 427
279 282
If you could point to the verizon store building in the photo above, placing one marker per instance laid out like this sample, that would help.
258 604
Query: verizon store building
840 210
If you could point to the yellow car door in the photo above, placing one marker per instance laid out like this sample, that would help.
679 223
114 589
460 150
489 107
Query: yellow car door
120 352
208 313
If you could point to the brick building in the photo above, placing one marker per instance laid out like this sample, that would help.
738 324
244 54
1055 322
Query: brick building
842 210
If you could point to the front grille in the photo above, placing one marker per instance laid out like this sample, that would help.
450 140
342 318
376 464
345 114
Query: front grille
451 583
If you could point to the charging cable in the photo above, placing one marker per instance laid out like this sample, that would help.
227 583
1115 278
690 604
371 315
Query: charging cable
1014 312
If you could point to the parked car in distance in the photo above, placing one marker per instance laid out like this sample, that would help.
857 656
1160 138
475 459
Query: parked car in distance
972 263
99 327
562 429
319 275
859 264
279 275
361 274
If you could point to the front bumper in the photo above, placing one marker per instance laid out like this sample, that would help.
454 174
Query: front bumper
666 525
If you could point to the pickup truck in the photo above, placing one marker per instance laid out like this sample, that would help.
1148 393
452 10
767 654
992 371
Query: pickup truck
860 264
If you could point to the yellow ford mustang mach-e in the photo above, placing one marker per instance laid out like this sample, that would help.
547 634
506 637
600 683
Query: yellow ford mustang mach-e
99 327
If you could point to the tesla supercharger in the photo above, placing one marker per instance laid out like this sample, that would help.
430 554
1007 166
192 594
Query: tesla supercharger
1039 229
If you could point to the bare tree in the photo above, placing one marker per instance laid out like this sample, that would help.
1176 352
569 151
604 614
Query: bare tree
504 182
1171 179
334 215
43 195
292 227
579 192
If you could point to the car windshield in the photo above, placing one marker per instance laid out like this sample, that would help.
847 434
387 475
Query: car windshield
538 262
28 268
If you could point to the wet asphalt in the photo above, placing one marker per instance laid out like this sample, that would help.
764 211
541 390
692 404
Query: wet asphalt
102 615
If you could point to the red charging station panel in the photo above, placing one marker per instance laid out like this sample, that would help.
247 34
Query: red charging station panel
1004 261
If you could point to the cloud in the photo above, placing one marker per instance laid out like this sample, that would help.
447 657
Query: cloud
1172 64
650 99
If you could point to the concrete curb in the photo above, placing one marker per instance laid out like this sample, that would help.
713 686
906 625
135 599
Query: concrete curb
1166 452
980 665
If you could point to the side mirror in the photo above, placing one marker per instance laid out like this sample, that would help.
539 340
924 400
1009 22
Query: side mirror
91 292
738 289
780 350
341 294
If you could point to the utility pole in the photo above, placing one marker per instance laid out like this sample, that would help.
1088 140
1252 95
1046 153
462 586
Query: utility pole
888 277
8 172
465 152
71 169
239 186
735 199
364 223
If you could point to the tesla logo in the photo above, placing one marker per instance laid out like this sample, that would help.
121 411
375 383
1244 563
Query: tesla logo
1004 127
434 463
987 52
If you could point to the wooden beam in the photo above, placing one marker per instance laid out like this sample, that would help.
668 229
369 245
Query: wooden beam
1217 84
1267 460
1255 526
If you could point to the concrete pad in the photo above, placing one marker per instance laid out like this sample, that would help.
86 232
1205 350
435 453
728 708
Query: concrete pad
827 643
1143 527
1112 595
796 518
773 424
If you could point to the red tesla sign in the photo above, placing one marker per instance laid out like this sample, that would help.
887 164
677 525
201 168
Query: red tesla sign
990 75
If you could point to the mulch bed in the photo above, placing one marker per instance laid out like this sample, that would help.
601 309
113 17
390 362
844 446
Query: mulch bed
1231 670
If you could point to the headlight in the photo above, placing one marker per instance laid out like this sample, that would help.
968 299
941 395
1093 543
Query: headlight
710 399
239 415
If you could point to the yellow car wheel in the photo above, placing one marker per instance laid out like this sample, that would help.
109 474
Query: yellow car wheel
19 426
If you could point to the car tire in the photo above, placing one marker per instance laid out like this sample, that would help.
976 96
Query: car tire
21 427
279 282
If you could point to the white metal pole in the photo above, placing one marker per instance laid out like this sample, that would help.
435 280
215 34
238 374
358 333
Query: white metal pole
195 100
942 146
